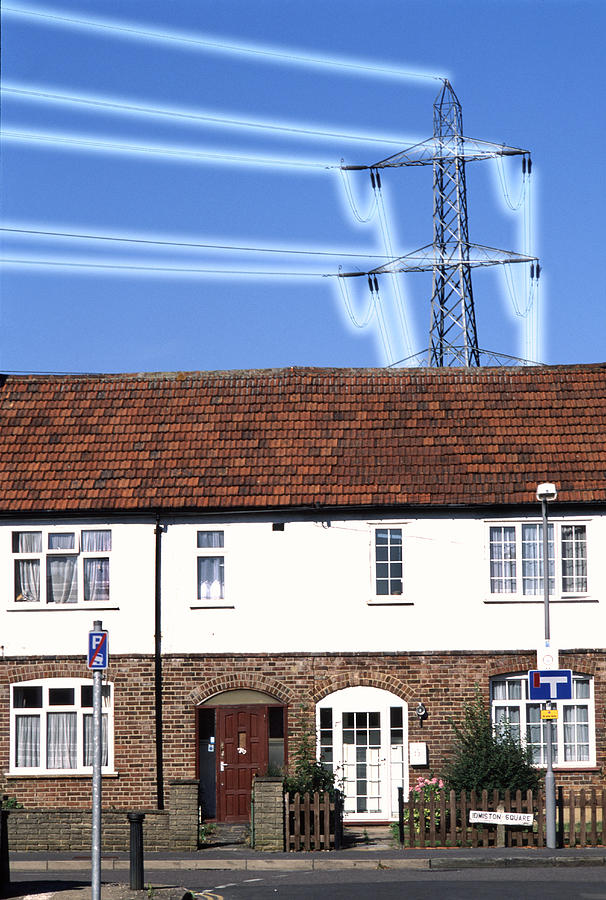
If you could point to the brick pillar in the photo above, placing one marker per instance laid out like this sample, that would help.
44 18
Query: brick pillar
183 814
268 814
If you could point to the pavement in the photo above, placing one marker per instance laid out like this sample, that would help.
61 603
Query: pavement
237 857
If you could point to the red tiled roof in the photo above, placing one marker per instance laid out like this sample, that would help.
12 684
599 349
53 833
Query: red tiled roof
295 437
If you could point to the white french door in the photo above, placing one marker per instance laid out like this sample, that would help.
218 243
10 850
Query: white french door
363 737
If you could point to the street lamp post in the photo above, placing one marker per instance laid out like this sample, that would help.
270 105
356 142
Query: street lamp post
547 492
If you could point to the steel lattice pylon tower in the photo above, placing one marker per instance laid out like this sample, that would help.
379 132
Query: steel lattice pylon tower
453 339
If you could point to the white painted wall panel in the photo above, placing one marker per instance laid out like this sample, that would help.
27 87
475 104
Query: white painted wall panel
308 588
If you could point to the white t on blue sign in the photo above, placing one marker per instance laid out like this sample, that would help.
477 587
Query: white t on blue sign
98 655
550 684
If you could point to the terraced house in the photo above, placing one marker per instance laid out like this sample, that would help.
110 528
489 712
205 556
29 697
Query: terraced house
270 549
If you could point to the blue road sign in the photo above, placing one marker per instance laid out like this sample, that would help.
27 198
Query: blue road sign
98 655
550 684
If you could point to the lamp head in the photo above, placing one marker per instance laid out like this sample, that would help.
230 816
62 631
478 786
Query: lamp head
547 491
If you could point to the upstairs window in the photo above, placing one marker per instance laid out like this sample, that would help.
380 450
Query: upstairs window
211 566
516 559
388 562
62 567
52 726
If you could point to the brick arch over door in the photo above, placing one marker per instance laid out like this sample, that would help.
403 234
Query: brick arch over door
239 683
360 679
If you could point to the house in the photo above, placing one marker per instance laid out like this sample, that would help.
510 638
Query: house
274 551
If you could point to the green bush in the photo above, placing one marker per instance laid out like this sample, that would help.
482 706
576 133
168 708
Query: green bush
309 774
488 759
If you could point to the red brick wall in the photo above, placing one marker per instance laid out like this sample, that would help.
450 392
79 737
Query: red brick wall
443 681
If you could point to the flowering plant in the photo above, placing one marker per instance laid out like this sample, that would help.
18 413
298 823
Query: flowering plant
420 795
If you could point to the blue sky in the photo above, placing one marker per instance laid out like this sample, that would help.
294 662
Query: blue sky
528 73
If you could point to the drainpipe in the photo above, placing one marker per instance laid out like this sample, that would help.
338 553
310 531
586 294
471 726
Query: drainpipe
159 529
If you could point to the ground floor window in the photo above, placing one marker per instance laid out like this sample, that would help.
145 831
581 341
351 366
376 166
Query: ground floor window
573 733
52 726
362 738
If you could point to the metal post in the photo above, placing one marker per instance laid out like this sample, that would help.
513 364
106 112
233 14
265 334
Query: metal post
550 804
97 758
136 850
401 815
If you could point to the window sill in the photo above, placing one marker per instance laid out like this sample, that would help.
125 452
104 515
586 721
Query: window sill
389 601
213 606
59 607
54 774
576 767
504 599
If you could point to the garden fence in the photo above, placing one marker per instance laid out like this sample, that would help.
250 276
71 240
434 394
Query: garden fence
442 819
313 821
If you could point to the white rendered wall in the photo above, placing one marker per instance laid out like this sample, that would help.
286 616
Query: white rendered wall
310 588
31 629
307 588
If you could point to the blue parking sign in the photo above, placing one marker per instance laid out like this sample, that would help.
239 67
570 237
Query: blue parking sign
98 655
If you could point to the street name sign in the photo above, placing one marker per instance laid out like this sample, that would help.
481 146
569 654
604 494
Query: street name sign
98 656
550 684
500 818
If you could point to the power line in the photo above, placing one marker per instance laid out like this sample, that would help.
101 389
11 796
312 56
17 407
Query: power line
97 102
176 270
185 244
222 46
170 152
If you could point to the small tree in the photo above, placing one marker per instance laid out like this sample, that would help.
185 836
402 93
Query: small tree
485 758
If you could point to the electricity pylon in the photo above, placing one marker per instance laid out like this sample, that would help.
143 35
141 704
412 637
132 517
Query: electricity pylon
453 339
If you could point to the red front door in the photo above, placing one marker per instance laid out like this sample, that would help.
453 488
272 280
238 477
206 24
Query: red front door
243 749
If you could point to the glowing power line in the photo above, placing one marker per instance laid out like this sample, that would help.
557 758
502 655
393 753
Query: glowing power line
193 245
218 46
69 140
97 102
25 262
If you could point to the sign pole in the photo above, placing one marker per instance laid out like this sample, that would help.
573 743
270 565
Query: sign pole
97 661
550 804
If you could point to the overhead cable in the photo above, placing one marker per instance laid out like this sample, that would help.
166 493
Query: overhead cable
194 41
169 152
137 109
193 245
357 323
363 219
399 300
24 262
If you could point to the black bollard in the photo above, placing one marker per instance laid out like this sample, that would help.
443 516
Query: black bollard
5 875
136 850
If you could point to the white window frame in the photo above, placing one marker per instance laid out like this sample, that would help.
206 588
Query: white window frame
205 552
524 702
518 594
45 554
47 684
386 599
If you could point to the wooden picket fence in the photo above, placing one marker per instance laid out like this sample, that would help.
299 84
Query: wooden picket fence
442 820
313 821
